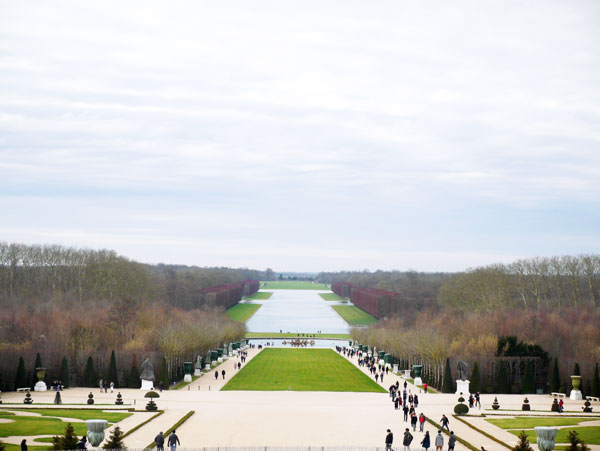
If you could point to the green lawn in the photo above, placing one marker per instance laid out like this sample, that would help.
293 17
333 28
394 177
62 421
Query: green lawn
25 426
354 316
242 312
531 422
301 370
293 285
259 296
293 335
181 384
81 414
331 297
11 447
590 435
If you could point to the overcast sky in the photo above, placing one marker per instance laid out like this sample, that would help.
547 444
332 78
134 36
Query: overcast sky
303 136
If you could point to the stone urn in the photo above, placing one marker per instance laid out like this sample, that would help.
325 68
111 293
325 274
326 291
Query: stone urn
545 437
576 382
95 433
417 369
40 385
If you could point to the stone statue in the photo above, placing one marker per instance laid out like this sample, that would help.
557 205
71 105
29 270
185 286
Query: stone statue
198 362
461 370
147 371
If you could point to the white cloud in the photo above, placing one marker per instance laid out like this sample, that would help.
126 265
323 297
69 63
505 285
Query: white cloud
404 130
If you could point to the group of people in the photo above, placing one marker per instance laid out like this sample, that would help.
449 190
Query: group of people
104 386
172 441
408 438
474 400
57 386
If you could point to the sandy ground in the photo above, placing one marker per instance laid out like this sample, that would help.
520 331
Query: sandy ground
248 418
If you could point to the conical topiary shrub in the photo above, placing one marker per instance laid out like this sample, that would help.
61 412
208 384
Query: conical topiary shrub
90 398
526 405
495 404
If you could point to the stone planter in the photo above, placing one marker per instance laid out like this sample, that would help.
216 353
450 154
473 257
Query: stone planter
545 437
576 392
95 433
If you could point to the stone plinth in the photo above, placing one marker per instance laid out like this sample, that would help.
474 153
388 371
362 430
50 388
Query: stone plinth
418 381
575 395
40 386
187 378
147 385
462 387
406 374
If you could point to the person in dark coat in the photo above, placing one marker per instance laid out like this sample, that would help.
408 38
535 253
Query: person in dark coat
160 441
426 443
173 441
407 440
389 439
24 445
216 374
405 410
223 374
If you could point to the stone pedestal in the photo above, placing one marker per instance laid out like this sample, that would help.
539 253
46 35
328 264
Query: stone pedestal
187 378
395 367
197 372
406 374
41 386
462 387
381 362
207 366
418 381
576 395
220 360
147 385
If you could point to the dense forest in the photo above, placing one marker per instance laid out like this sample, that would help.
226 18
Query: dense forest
74 303
547 302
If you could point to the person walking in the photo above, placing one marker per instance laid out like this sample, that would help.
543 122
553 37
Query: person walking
416 400
413 421
421 422
223 374
426 443
451 441
408 438
24 445
389 439
445 422
478 400
216 374
173 441
160 441
112 387
439 441
405 410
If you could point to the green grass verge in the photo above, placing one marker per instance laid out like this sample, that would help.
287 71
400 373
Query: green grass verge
242 312
294 335
590 435
331 297
172 428
142 424
302 370
293 285
25 425
458 439
354 316
11 447
482 432
531 422
259 296
181 384
80 414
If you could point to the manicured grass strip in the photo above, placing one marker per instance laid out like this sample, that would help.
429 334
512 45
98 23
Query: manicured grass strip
354 316
590 435
242 312
531 422
331 297
11 447
38 426
301 370
482 432
295 335
259 296
458 439
142 424
179 385
293 285
80 414
172 428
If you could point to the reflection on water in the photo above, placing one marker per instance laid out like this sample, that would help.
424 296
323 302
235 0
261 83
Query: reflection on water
297 311
316 342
